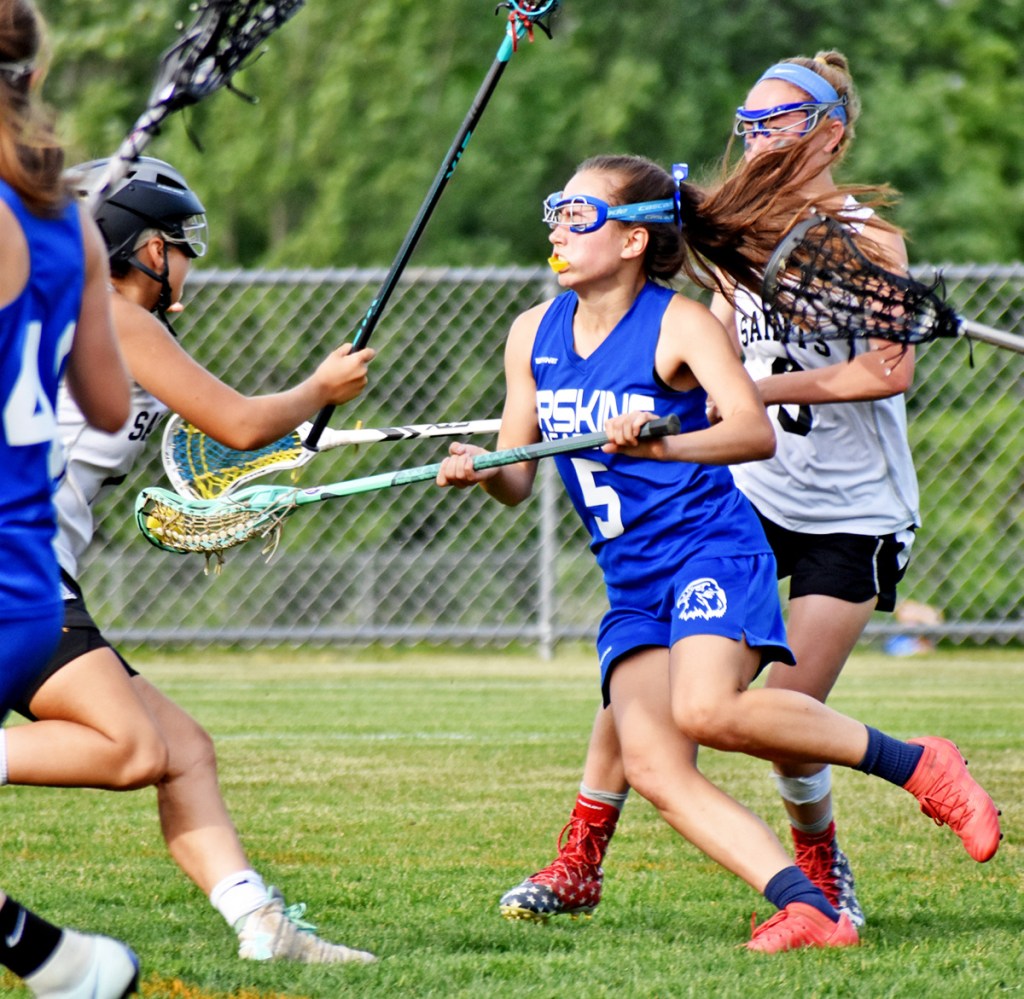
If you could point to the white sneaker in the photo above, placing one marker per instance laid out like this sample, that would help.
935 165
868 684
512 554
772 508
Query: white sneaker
274 931
86 967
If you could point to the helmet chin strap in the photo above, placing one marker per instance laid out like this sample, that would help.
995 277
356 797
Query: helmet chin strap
164 302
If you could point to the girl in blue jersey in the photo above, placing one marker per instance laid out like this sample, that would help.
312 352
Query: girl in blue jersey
54 319
691 581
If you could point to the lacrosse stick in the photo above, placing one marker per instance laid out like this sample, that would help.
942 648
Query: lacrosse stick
522 18
200 468
211 49
210 527
819 285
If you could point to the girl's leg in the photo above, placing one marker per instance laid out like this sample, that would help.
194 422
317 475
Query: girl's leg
99 727
93 731
603 768
194 819
714 707
202 839
822 633
660 762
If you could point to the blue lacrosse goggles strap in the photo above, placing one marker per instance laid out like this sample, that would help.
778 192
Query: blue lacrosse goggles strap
643 211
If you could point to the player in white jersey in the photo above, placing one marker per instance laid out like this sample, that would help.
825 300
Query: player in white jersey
690 580
97 723
839 501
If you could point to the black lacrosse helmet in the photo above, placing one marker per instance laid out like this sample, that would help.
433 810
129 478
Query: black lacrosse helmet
152 195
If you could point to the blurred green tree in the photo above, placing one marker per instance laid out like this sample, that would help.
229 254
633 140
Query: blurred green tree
358 104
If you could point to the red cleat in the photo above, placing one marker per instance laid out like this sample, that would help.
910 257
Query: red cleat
571 884
800 925
828 868
952 797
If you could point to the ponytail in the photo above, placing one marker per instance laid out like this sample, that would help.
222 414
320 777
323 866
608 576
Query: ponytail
31 158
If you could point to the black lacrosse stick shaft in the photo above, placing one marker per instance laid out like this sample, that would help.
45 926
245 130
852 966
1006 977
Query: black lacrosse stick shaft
369 321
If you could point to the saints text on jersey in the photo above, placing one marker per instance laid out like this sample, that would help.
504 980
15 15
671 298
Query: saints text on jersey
568 411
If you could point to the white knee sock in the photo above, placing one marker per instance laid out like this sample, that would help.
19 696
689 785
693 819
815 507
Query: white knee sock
3 756
235 896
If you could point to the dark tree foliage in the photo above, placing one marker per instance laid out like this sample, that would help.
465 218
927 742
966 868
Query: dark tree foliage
359 102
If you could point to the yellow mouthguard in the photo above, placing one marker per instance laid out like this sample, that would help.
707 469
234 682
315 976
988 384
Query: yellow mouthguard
557 264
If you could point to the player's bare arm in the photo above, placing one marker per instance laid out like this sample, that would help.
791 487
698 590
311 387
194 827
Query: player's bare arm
161 366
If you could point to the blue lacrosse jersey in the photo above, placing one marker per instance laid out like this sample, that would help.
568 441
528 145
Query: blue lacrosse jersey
36 331
646 518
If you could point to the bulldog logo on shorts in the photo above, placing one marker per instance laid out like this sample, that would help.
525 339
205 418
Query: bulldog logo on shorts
701 598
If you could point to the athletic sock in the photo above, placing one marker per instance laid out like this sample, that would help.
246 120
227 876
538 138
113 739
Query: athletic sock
617 799
599 807
26 940
3 756
238 895
595 812
792 885
815 831
889 758
810 837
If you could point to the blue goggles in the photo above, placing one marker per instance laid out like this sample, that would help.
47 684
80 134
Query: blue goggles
583 213
785 120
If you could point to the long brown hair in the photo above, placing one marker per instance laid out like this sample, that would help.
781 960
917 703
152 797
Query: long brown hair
31 158
736 223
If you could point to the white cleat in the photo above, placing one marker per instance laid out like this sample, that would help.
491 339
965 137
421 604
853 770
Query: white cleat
277 932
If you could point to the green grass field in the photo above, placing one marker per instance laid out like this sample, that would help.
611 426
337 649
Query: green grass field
398 794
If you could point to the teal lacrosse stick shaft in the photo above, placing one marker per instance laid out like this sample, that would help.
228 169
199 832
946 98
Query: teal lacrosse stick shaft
261 497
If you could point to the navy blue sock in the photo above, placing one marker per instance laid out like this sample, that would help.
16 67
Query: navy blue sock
889 758
792 885
26 941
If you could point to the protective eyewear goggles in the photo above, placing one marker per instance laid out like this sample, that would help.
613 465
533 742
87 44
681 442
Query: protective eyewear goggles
785 120
193 237
583 213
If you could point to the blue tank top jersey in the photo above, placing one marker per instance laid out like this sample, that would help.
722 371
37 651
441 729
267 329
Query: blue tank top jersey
36 330
646 518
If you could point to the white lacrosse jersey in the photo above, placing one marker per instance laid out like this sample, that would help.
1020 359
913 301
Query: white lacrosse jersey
96 462
841 467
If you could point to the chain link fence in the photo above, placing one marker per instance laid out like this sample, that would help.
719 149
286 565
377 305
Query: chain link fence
421 564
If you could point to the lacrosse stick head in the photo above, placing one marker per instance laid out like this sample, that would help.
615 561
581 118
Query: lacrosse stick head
199 467
212 49
522 18
820 285
210 527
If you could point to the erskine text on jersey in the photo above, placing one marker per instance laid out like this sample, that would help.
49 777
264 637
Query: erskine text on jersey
566 412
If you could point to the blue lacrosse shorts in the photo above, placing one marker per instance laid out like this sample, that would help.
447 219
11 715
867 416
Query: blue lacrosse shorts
735 597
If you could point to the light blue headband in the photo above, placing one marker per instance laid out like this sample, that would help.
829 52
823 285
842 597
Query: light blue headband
806 79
